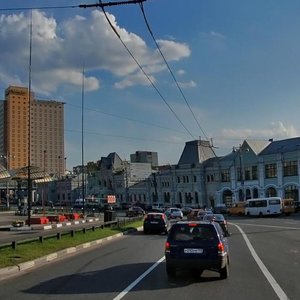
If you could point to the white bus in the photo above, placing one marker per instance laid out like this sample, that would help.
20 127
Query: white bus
263 206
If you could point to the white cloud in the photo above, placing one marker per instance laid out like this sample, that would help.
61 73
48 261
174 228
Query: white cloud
275 130
189 84
217 34
173 50
59 51
180 72
134 79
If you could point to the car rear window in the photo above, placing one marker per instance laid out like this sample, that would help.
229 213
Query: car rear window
154 217
185 232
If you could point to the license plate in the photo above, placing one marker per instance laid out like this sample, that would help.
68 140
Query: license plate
193 250
153 222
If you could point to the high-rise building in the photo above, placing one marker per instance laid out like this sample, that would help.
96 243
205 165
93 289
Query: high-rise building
46 137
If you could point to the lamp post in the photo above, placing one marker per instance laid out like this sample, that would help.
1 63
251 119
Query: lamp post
29 183
239 151
82 143
44 186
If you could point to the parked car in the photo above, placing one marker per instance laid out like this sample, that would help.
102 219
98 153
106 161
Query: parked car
156 222
220 209
135 211
297 206
202 213
219 218
192 216
237 209
197 246
186 210
174 213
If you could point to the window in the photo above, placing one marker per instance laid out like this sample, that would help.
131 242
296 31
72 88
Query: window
247 173
254 173
290 168
225 177
270 171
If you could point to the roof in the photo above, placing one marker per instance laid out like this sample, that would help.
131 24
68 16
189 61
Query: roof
4 174
36 174
287 145
257 145
196 151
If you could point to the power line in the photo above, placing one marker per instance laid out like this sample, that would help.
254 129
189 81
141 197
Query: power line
100 4
171 72
39 8
126 118
123 136
146 75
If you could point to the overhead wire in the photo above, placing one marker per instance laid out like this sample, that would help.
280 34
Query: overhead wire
142 69
126 118
168 66
39 7
124 137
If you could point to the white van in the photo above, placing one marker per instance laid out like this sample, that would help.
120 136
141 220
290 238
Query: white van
264 206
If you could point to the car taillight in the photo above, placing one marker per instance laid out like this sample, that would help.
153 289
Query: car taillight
221 248
192 224
167 247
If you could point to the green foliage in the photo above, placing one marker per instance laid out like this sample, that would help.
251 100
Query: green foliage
29 251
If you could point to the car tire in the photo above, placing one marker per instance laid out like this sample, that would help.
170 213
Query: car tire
171 271
197 272
224 272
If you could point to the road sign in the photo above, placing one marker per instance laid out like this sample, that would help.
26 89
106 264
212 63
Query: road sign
111 199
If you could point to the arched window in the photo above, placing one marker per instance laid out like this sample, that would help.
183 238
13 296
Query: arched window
291 191
255 193
271 192
248 194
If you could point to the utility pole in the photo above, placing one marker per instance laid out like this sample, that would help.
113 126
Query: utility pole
29 187
155 187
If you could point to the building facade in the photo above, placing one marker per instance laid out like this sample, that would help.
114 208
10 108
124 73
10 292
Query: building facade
46 122
253 169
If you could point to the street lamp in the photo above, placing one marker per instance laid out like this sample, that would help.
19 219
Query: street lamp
239 151
44 186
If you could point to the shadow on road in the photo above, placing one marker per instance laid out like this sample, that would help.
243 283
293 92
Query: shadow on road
115 279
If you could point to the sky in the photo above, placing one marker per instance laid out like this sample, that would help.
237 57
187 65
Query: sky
229 71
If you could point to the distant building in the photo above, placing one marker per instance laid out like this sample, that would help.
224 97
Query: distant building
46 135
145 157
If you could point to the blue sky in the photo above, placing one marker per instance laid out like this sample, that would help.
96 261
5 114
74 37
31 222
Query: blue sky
236 62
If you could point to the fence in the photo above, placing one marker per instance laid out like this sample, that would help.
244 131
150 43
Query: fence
116 223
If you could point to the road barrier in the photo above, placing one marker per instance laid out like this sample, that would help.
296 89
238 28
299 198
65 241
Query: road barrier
72 232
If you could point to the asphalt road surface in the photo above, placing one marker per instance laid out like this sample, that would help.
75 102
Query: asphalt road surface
265 265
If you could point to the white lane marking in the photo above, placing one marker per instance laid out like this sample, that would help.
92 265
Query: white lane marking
277 289
134 283
271 226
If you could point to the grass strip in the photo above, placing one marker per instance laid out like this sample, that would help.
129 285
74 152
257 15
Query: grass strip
32 250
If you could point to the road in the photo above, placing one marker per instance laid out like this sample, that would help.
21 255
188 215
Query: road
132 267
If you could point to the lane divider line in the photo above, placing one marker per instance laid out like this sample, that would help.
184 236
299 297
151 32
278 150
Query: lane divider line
140 278
276 287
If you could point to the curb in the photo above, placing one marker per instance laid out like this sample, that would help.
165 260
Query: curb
48 226
17 269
